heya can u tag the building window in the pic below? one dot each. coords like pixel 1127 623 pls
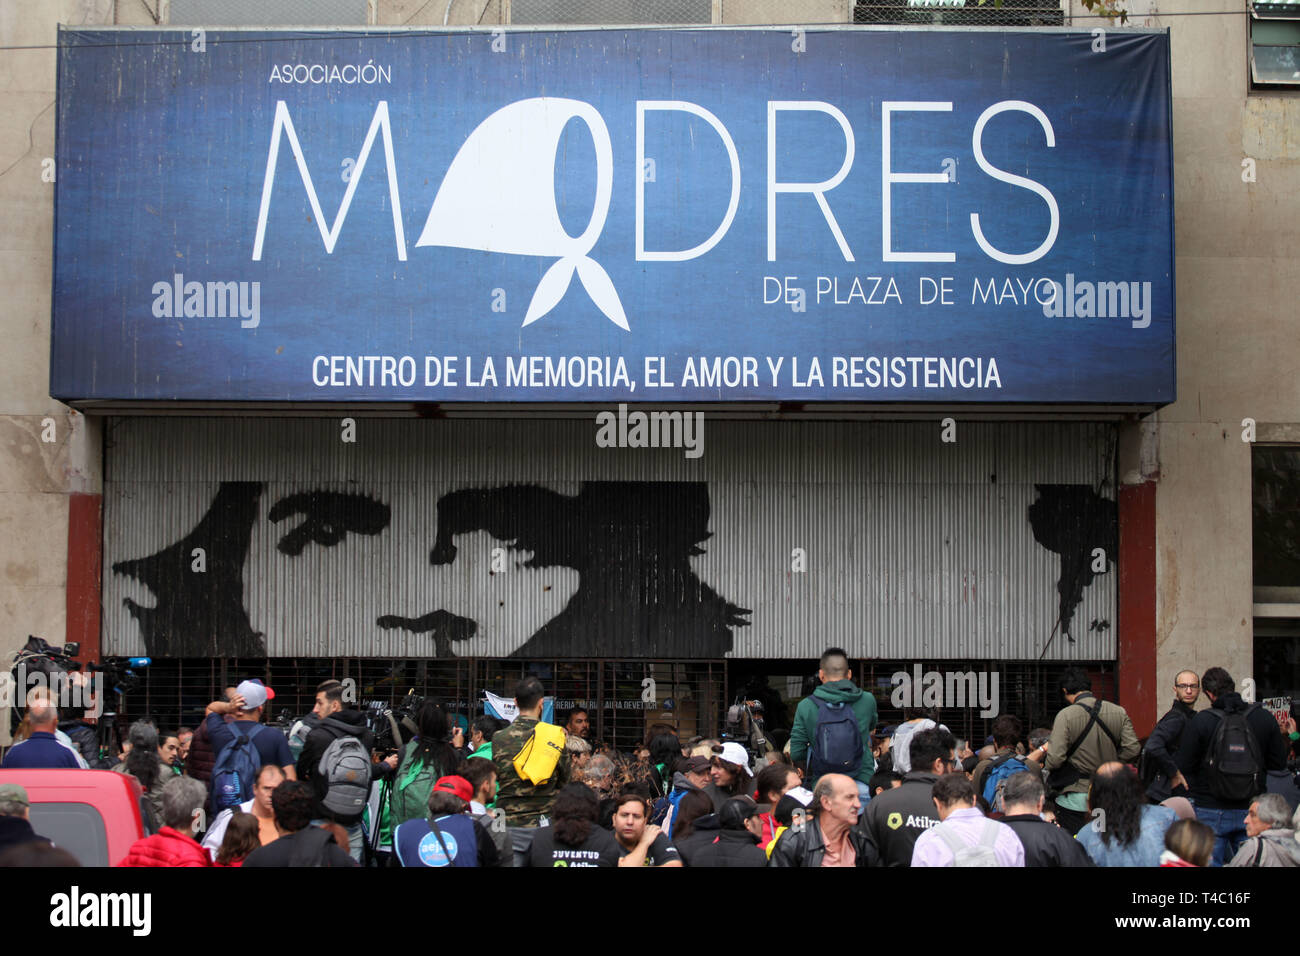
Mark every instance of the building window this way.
pixel 1275 506
pixel 1275 44
pixel 1275 524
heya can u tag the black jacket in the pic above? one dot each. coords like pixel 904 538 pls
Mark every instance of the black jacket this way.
pixel 710 845
pixel 86 739
pixel 352 723
pixel 1045 843
pixel 808 846
pixel 895 820
pixel 1192 751
pixel 1161 747
pixel 310 846
pixel 15 831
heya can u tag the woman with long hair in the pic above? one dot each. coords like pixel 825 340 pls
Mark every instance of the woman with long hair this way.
pixel 731 774
pixel 1128 831
pixel 573 838
pixel 240 840
pixel 143 763
pixel 694 805
pixel 425 759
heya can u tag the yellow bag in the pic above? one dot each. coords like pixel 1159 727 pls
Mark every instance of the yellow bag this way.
pixel 541 752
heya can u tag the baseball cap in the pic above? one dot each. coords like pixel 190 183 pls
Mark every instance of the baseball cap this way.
pixel 255 694
pixel 797 799
pixel 733 752
pixel 13 793
pixel 694 765
pixel 455 785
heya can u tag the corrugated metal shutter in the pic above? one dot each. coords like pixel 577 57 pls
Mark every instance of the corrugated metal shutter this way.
pixel 911 547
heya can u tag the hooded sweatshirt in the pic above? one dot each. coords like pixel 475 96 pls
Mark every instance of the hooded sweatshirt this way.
pixel 805 724
pixel 681 787
pixel 352 723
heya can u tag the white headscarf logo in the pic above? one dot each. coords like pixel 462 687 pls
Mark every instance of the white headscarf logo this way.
pixel 499 196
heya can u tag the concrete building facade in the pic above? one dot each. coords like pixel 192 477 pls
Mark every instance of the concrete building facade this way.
pixel 1187 597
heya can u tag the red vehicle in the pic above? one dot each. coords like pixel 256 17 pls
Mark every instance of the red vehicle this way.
pixel 93 814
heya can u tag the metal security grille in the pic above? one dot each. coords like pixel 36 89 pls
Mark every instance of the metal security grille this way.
pixel 1027 689
pixel 609 12
pixel 690 696
pixel 687 695
pixel 1012 13
pixel 544 13
pixel 265 13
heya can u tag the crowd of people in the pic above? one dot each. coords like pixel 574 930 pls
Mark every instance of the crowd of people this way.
pixel 1215 786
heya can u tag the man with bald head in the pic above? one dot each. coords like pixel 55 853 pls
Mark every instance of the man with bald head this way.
pixel 828 837
pixel 1159 772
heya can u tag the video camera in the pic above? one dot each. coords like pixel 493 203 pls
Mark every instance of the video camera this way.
pixel 393 726
pixel 745 726
pixel 40 662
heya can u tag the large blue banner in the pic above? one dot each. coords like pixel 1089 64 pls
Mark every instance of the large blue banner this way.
pixel 614 215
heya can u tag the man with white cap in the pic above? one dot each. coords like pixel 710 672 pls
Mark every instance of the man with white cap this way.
pixel 731 774
pixel 246 707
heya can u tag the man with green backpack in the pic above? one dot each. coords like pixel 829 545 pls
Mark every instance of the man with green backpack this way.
pixel 425 759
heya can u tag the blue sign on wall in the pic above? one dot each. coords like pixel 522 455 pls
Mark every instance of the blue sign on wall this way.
pixel 633 215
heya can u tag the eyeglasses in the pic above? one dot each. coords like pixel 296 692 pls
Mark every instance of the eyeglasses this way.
pixel 1188 686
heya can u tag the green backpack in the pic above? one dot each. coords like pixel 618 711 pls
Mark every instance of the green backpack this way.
pixel 412 783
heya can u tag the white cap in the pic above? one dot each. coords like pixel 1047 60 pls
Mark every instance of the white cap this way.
pixel 255 694
pixel 733 752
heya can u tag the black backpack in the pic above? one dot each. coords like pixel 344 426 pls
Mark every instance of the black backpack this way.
pixel 1234 760
pixel 837 740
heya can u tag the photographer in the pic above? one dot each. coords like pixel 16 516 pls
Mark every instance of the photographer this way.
pixel 336 762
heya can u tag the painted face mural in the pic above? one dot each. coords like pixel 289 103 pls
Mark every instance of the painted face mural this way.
pixel 473 539
pixel 520 570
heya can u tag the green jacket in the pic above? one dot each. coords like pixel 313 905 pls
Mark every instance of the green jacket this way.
pixel 523 803
pixel 805 724
pixel 484 751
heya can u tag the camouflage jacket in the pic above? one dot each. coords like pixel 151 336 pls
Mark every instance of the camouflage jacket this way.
pixel 523 803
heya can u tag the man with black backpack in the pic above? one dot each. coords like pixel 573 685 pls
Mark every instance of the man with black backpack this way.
pixel 243 745
pixel 1086 733
pixel 1224 754
pixel 832 727
pixel 335 760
